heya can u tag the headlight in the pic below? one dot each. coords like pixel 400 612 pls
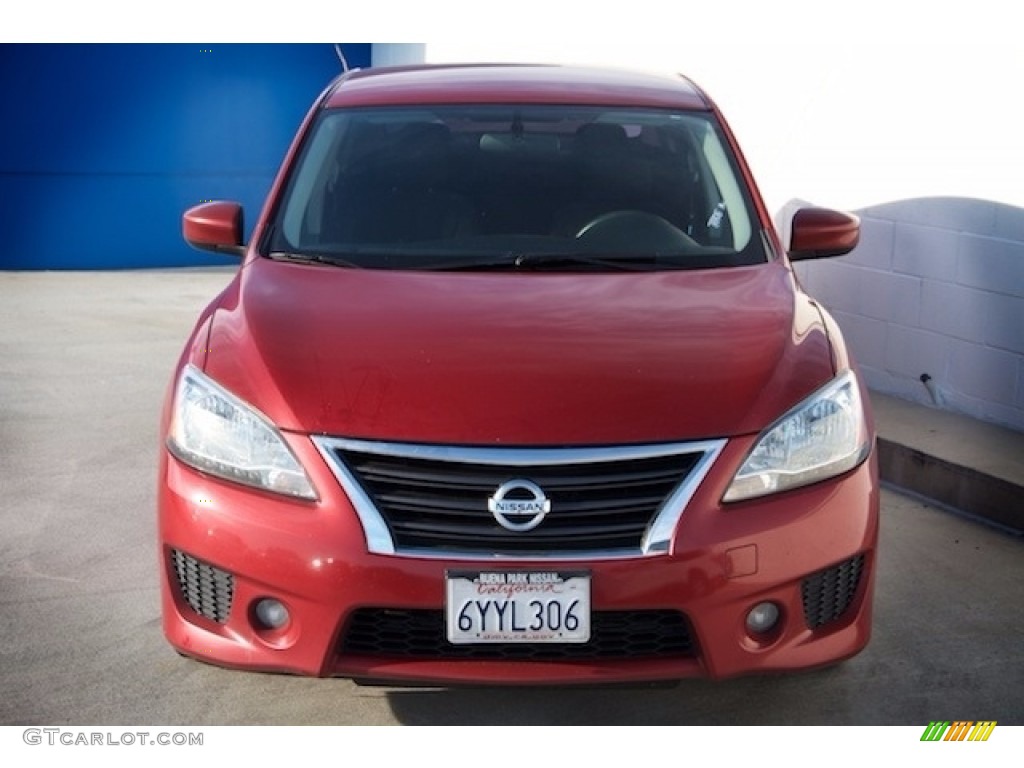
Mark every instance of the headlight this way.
pixel 214 431
pixel 823 436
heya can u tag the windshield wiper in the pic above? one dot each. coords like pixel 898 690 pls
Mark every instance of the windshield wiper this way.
pixel 526 261
pixel 312 258
pixel 616 261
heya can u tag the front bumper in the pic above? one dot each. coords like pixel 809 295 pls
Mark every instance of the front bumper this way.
pixel 811 551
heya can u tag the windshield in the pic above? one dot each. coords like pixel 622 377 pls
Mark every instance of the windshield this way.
pixel 471 186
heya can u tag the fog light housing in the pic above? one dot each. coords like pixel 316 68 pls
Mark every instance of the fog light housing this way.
pixel 762 618
pixel 271 614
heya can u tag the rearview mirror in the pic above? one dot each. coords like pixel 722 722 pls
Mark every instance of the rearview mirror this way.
pixel 819 232
pixel 215 226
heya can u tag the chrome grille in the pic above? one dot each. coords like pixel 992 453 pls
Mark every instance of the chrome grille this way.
pixel 434 500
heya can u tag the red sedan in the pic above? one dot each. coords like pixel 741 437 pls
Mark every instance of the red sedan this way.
pixel 515 384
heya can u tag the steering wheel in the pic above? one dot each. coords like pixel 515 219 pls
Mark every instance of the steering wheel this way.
pixel 635 231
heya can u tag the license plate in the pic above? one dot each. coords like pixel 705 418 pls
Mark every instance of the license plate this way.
pixel 518 607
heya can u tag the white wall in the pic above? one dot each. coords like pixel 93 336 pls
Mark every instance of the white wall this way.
pixel 935 287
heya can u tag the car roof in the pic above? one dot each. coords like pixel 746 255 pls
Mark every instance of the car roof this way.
pixel 512 84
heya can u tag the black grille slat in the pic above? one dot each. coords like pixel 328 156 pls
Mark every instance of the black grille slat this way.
pixel 432 504
pixel 509 546
pixel 828 593
pixel 472 506
pixel 550 533
pixel 570 503
pixel 420 634
pixel 452 506
pixel 540 544
pixel 472 484
pixel 208 590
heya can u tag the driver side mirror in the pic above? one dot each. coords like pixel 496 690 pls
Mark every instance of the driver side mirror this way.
pixel 215 226
pixel 819 233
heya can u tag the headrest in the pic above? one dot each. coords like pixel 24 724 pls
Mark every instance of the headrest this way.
pixel 601 137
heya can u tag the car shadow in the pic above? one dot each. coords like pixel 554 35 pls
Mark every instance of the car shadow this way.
pixel 809 698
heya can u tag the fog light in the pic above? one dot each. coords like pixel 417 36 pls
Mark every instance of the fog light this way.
pixel 762 618
pixel 271 613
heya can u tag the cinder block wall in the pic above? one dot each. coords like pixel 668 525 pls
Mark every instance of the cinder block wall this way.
pixel 935 287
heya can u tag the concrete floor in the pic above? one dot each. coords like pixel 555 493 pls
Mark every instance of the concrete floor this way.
pixel 84 360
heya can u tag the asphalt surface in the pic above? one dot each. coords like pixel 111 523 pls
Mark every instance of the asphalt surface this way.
pixel 84 362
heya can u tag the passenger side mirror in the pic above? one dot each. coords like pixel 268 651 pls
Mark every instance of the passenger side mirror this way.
pixel 215 226
pixel 819 232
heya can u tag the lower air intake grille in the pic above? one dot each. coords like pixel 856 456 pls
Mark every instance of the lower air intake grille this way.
pixel 206 589
pixel 827 594
pixel 420 634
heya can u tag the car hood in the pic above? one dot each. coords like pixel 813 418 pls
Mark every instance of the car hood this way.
pixel 512 358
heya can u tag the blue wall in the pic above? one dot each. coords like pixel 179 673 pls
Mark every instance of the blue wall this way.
pixel 102 147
